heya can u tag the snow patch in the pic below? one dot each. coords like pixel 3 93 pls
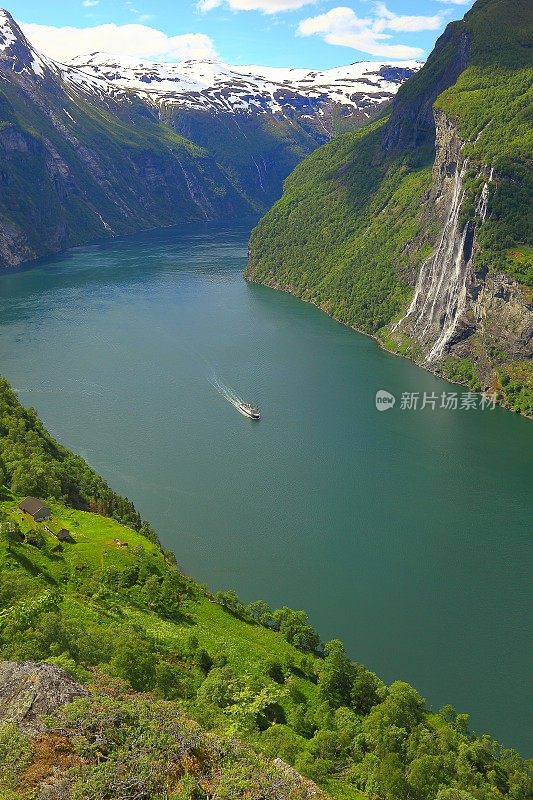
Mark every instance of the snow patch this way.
pixel 213 85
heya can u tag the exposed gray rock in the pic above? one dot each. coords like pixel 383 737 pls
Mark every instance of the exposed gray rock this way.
pixel 28 690
pixel 456 309
pixel 411 123
pixel 56 787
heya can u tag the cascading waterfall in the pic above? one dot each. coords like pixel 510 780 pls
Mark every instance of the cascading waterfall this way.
pixel 441 290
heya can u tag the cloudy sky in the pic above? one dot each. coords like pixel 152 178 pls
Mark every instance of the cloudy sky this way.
pixel 297 33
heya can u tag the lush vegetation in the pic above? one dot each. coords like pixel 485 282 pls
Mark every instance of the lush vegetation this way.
pixel 492 105
pixel 514 383
pixel 354 223
pixel 33 463
pixel 162 656
pixel 339 227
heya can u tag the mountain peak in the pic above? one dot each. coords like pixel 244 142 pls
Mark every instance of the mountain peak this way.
pixel 16 53
pixel 9 30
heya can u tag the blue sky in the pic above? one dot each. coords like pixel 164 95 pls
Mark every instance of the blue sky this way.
pixel 297 33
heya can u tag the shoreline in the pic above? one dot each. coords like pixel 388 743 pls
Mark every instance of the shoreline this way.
pixel 377 341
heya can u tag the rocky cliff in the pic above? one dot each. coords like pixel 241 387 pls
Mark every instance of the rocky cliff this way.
pixel 459 310
pixel 417 229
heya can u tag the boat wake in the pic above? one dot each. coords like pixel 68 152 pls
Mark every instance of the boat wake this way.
pixel 231 396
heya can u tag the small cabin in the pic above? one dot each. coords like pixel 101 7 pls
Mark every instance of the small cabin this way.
pixel 65 536
pixel 35 508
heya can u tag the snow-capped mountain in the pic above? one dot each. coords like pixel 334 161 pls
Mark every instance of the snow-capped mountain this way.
pixel 353 91
pixel 214 86
pixel 104 145
pixel 17 54
pixel 18 58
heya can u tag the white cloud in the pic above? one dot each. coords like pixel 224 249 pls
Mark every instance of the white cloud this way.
pixel 266 6
pixel 138 41
pixel 387 20
pixel 342 26
pixel 90 3
pixel 455 2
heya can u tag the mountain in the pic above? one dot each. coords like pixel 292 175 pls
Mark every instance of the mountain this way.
pixel 154 687
pixel 95 148
pixel 417 228
pixel 319 100
pixel 79 164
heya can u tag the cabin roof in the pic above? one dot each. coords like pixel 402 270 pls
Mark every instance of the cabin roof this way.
pixel 31 505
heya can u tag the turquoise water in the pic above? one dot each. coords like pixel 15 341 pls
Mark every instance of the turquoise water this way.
pixel 405 533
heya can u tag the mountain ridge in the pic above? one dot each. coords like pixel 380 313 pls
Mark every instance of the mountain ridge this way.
pixel 225 88
pixel 84 158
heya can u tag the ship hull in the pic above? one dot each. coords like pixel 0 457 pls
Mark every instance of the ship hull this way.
pixel 250 414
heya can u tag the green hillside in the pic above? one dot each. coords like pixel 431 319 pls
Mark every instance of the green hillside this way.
pixel 357 218
pixel 101 170
pixel 162 655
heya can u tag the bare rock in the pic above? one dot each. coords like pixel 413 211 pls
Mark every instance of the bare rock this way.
pixel 29 689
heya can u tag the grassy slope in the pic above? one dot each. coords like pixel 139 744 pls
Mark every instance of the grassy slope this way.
pixel 106 611
pixel 347 235
pixel 249 648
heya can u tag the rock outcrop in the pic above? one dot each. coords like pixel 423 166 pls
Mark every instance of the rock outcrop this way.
pixel 29 690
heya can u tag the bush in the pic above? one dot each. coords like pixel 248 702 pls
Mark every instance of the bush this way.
pixel 135 662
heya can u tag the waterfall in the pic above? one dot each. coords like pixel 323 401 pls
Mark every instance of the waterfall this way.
pixel 441 290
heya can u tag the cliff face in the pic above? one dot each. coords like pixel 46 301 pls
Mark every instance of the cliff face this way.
pixel 418 230
pixel 411 124
pixel 78 165
pixel 457 309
